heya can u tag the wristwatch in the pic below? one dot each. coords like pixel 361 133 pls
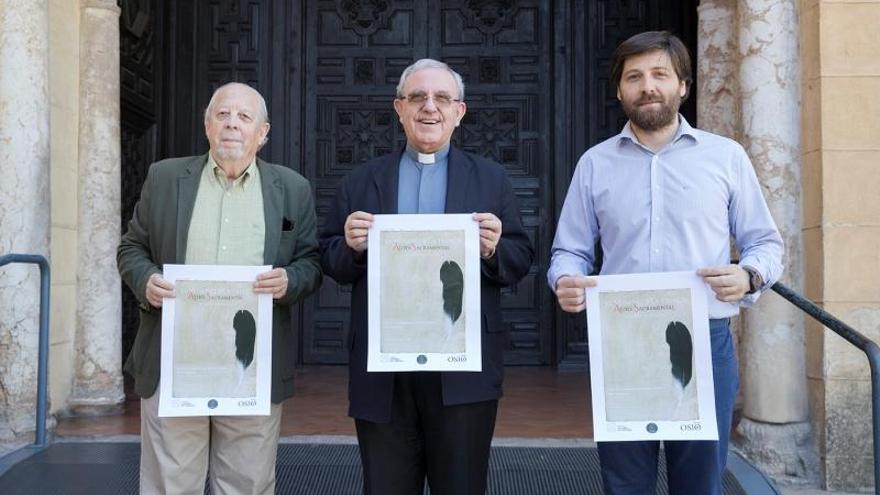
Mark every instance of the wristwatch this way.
pixel 756 281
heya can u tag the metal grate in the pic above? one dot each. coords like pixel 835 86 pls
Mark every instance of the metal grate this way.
pixel 310 469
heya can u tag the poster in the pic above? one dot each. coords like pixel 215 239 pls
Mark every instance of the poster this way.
pixel 651 358
pixel 216 342
pixel 424 293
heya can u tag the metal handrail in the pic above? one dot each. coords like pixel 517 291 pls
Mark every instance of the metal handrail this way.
pixel 43 343
pixel 868 346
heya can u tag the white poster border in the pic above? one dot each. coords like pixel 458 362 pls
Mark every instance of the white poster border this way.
pixel 471 359
pixel 705 427
pixel 260 403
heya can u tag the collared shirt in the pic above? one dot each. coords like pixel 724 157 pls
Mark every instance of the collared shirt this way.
pixel 228 225
pixel 666 211
pixel 422 187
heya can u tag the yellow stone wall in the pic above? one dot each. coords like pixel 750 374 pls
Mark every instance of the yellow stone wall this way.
pixel 64 131
pixel 840 66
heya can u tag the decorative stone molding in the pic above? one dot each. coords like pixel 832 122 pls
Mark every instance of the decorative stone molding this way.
pixel 791 460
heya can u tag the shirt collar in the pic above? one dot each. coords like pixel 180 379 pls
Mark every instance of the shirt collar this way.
pixel 244 180
pixel 684 129
pixel 427 158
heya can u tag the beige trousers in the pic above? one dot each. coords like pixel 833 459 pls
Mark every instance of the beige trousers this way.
pixel 176 452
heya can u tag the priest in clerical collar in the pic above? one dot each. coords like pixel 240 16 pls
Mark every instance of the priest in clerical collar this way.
pixel 435 425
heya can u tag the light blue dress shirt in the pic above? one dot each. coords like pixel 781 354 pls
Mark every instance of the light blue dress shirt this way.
pixel 422 187
pixel 667 211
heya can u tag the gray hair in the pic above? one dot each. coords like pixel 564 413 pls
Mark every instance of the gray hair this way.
pixel 262 110
pixel 429 63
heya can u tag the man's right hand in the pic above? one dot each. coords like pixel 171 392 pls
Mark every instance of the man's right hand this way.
pixel 157 289
pixel 570 292
pixel 357 225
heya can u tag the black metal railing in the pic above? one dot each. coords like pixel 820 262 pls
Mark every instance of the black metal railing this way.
pixel 869 347
pixel 43 343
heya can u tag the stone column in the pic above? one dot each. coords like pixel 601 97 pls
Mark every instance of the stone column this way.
pixel 717 88
pixel 24 205
pixel 775 431
pixel 97 387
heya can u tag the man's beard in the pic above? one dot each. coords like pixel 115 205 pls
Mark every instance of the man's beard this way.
pixel 652 120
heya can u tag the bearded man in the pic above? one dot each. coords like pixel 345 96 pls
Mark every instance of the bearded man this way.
pixel 663 196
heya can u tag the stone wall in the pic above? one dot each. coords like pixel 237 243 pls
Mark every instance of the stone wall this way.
pixel 24 205
pixel 841 156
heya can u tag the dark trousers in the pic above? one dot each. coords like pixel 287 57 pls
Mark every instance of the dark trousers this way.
pixel 447 444
pixel 693 467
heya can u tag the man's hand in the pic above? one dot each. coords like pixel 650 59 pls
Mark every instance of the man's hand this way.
pixel 570 292
pixel 730 282
pixel 272 282
pixel 357 225
pixel 490 233
pixel 157 289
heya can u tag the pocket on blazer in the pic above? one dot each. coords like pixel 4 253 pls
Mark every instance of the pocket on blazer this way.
pixel 286 245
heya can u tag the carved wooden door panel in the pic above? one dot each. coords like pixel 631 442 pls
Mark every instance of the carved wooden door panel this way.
pixel 503 51
pixel 355 53
pixel 536 86
pixel 140 94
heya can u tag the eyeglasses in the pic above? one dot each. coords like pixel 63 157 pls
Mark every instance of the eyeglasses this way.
pixel 418 99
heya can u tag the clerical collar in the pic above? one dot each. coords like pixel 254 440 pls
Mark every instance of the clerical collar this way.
pixel 427 158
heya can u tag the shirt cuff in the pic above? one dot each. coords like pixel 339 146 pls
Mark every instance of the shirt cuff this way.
pixel 559 270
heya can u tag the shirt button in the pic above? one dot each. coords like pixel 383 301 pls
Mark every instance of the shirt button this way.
pixel 656 250
pixel 223 248
pixel 226 220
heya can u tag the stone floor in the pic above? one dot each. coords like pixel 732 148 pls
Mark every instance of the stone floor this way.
pixel 791 490
pixel 539 402
pixel 541 407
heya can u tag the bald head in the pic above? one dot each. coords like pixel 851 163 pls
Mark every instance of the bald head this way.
pixel 236 125
pixel 262 110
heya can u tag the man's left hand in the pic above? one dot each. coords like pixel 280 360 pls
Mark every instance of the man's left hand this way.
pixel 272 282
pixel 490 233
pixel 730 282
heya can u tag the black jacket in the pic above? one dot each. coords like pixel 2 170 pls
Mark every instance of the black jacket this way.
pixel 474 185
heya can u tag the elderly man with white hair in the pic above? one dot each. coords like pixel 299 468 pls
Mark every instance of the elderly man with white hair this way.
pixel 226 207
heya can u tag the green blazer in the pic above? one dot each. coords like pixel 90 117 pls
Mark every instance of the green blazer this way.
pixel 157 235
